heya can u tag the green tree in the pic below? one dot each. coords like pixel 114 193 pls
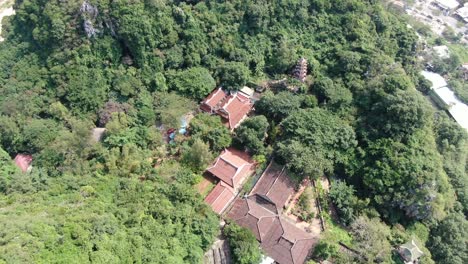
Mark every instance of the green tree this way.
pixel 198 155
pixel 371 239
pixel 348 205
pixel 209 128
pixel 278 106
pixel 449 239
pixel 170 108
pixel 399 115
pixel 407 176
pixel 244 246
pixel 194 82
pixel 325 250
pixel 233 75
pixel 251 134
pixel 332 94
pixel 313 141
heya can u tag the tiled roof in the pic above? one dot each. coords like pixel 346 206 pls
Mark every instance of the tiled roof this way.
pixel 23 161
pixel 220 197
pixel 213 100
pixel 279 238
pixel 232 167
pixel 275 184
pixel 235 109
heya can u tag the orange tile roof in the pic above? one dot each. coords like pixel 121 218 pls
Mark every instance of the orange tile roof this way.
pixel 232 167
pixel 220 197
pixel 235 109
pixel 213 100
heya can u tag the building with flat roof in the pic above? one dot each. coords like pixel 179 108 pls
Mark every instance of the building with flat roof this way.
pixel 447 5
pixel 447 99
pixel 462 13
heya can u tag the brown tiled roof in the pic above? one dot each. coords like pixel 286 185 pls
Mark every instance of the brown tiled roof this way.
pixel 235 109
pixel 232 167
pixel 23 161
pixel 220 197
pixel 275 184
pixel 213 100
pixel 279 238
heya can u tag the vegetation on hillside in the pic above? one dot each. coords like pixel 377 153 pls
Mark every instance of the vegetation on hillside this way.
pixel 136 68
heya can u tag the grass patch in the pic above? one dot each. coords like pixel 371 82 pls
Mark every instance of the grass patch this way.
pixel 303 209
pixel 460 51
pixel 335 233
pixel 207 190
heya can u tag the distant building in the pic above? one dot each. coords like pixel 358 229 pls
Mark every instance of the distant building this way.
pixel 446 98
pixel 399 5
pixel 410 252
pixel 447 5
pixel 231 168
pixel 233 108
pixel 23 162
pixel 462 13
pixel 300 71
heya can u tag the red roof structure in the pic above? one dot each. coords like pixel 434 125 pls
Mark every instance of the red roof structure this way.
pixel 279 238
pixel 275 185
pixel 220 197
pixel 23 161
pixel 232 167
pixel 213 101
pixel 233 108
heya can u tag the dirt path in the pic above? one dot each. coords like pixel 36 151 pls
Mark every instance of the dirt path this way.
pixel 6 9
pixel 314 226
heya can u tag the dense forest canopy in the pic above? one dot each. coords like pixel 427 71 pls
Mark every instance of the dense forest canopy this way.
pixel 135 66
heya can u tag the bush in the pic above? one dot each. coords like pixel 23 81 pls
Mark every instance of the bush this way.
pixel 325 250
pixel 244 246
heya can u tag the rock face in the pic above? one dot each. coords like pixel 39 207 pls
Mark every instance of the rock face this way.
pixel 89 10
pixel 89 14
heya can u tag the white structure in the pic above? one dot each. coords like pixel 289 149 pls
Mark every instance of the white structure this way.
pixel 463 13
pixel 247 91
pixel 436 79
pixel 442 51
pixel 457 109
pixel 447 5
pixel 4 13
pixel 267 260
